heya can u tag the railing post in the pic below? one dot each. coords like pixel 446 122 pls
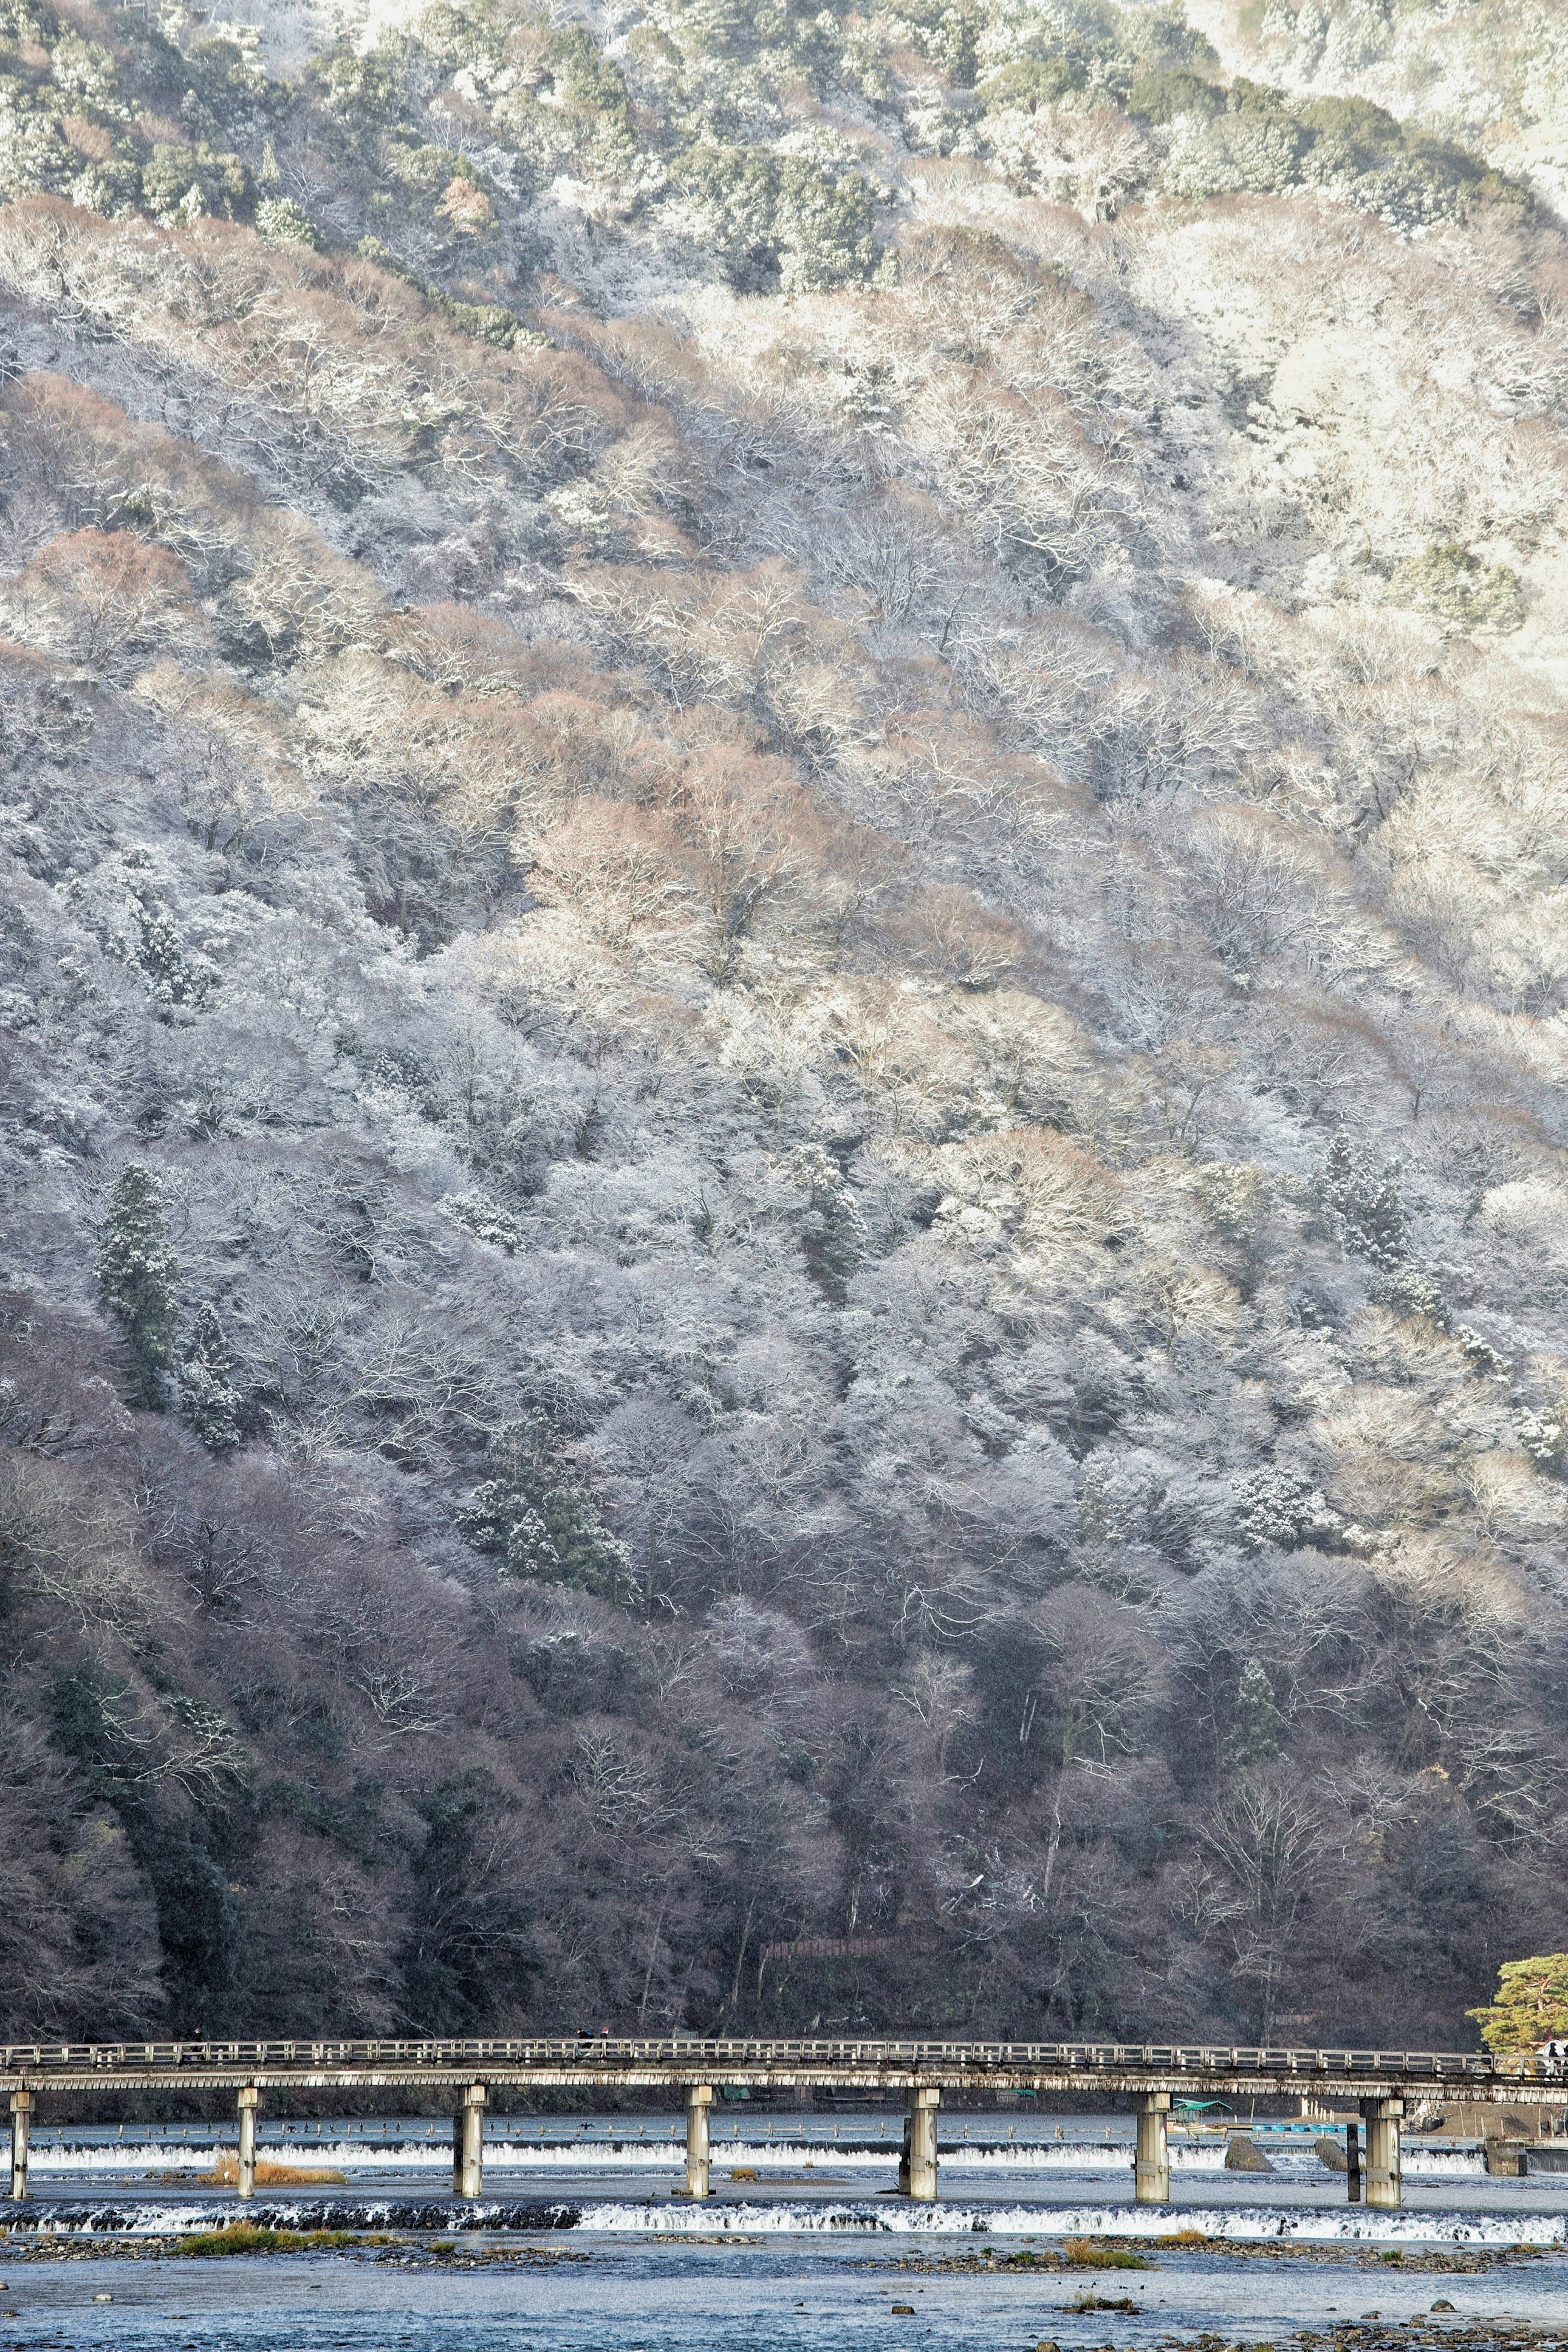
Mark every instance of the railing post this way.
pixel 21 2125
pixel 699 2099
pixel 1381 2117
pixel 468 2143
pixel 1353 2164
pixel 244 2176
pixel 1152 2169
pixel 917 2172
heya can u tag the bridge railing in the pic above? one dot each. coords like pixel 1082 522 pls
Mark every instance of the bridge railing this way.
pixel 590 2052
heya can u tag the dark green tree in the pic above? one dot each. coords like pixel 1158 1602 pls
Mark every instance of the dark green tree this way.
pixel 470 1958
pixel 539 1524
pixel 1362 1202
pixel 136 1272
pixel 832 1234
pixel 208 1398
pixel 1259 1725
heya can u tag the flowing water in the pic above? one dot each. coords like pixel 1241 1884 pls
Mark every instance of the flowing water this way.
pixel 578 2245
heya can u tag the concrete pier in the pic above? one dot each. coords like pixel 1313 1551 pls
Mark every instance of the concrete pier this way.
pixel 468 2143
pixel 699 2099
pixel 917 2168
pixel 249 2101
pixel 1382 2118
pixel 1353 2164
pixel 21 2125
pixel 1152 2171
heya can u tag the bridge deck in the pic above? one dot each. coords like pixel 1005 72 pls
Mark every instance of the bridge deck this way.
pixel 588 2062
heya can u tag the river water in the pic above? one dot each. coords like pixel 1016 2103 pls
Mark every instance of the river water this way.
pixel 805 2248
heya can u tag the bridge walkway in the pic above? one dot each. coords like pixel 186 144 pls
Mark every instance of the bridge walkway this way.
pixel 1379 2082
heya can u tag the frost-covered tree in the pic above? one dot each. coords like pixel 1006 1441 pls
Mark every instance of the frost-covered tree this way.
pixel 855 977
pixel 1259 1728
pixel 539 1524
pixel 137 1274
pixel 1363 1201
pixel 208 1398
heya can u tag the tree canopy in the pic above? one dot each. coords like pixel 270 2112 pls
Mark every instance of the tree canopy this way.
pixel 1532 2004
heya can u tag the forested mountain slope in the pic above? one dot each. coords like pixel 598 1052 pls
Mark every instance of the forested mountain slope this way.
pixel 784 961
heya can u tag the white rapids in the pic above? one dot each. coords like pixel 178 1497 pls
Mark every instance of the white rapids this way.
pixel 422 2156
pixel 1340 2225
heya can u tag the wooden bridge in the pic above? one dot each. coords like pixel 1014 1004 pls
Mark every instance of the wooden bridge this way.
pixel 1379 2082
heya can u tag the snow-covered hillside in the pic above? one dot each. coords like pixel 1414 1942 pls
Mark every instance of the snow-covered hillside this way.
pixel 785 963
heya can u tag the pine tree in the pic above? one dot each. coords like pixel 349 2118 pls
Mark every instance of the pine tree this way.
pixel 1532 2004
pixel 136 1272
pixel 208 1398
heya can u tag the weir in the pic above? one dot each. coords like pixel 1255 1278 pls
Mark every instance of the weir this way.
pixel 1378 2082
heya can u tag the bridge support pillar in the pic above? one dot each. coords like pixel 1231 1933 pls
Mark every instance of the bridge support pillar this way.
pixel 468 2143
pixel 917 2172
pixel 1381 2117
pixel 250 2100
pixel 1353 2164
pixel 21 2126
pixel 699 2099
pixel 1152 2171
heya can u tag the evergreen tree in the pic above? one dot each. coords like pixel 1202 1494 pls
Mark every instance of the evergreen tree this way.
pixel 1532 2004
pixel 136 1272
pixel 208 1398
pixel 539 1524
pixel 1277 1507
pixel 1362 1202
pixel 832 1234
pixel 1259 1722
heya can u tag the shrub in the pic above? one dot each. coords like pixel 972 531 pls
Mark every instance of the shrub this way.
pixel 1028 82
pixel 192 183
pixel 243 2239
pixel 1455 587
pixel 225 2174
pixel 1163 97
pixel 282 221
pixel 112 187
pixel 1084 2254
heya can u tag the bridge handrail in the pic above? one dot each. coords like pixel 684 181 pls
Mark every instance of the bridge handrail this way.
pixel 727 2052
